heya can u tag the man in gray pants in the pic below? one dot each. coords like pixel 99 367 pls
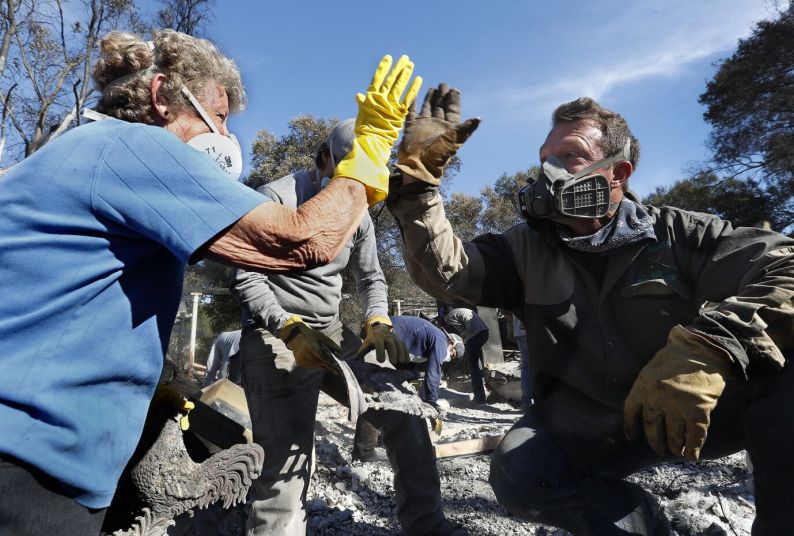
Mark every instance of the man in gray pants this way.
pixel 468 324
pixel 290 318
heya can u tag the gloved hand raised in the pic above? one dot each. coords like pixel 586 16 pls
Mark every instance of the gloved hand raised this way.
pixel 307 344
pixel 381 114
pixel 674 394
pixel 381 337
pixel 434 137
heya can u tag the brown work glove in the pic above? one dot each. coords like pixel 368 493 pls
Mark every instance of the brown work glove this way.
pixel 432 139
pixel 674 394
pixel 307 344
pixel 381 337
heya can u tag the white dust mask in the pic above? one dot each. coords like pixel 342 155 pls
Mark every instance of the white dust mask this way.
pixel 224 150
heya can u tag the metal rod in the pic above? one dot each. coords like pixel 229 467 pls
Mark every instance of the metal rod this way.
pixel 193 322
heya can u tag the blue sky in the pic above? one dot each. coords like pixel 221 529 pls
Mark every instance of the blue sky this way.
pixel 514 62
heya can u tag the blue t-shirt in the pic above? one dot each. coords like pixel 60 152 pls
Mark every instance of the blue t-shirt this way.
pixel 420 337
pixel 95 230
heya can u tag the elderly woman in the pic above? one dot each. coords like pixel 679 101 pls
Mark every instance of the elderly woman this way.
pixel 95 231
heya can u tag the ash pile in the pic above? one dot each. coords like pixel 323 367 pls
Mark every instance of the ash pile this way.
pixel 354 498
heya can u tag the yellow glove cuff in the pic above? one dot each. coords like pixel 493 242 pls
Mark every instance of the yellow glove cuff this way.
pixel 287 331
pixel 377 319
pixel 366 163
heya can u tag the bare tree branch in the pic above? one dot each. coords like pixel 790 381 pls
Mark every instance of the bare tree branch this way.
pixel 6 97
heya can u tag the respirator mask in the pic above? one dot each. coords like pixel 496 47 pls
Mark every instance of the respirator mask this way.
pixel 223 150
pixel 556 192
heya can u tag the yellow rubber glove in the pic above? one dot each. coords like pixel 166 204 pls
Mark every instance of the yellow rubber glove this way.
pixel 307 344
pixel 381 114
pixel 433 138
pixel 168 395
pixel 381 337
pixel 674 394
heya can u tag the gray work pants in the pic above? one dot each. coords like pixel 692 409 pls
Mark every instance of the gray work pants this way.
pixel 282 400
pixel 538 474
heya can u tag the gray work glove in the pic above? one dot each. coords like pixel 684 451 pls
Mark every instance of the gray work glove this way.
pixel 432 139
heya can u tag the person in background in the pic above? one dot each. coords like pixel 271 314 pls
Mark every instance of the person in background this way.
pixel 224 358
pixel 468 324
pixel 427 345
pixel 95 232
pixel 526 380
pixel 292 320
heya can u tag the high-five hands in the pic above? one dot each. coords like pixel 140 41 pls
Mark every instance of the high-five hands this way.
pixel 433 137
pixel 381 114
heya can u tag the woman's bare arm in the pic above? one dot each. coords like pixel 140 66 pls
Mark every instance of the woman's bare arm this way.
pixel 275 238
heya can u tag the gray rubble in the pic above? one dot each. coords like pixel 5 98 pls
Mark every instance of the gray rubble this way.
pixel 355 498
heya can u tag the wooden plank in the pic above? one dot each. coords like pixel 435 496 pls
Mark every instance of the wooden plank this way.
pixel 464 447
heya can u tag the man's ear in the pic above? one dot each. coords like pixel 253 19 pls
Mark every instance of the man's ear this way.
pixel 161 107
pixel 621 173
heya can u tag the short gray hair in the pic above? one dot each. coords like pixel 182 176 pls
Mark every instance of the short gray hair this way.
pixel 613 127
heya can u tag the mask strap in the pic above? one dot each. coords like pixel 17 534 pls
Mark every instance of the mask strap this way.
pixel 93 115
pixel 200 109
pixel 622 155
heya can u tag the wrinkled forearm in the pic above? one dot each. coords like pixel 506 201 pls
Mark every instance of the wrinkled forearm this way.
pixel 278 239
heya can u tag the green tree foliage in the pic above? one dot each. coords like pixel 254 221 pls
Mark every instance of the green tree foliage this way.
pixel 273 158
pixel 212 280
pixel 464 212
pixel 750 107
pixel 742 202
pixel 501 201
pixel 218 311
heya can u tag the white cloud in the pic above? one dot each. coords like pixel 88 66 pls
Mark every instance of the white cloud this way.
pixel 658 42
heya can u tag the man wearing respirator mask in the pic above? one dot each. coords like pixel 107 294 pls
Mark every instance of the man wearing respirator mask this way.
pixel 654 334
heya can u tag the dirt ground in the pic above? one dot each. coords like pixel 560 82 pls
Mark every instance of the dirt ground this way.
pixel 354 498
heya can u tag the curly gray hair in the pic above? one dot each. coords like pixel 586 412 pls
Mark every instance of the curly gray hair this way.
pixel 127 65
